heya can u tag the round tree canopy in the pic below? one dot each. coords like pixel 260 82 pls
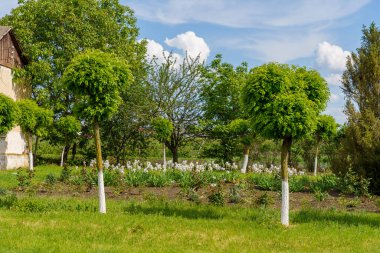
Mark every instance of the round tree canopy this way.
pixel 284 101
pixel 326 127
pixel 8 114
pixel 97 78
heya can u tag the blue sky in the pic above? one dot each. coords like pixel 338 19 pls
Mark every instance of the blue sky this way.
pixel 315 33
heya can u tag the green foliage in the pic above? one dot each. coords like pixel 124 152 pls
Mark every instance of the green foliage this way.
pixel 175 89
pixel 216 197
pixel 326 127
pixel 8 114
pixel 34 119
pixel 284 101
pixel 360 145
pixel 319 194
pixel 52 32
pixel 163 129
pixel 221 90
pixel 352 183
pixel 24 177
pixel 65 174
pixel 50 179
pixel 264 200
pixel 97 79
pixel 68 128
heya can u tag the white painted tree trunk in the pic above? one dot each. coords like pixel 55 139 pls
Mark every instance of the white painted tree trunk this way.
pixel 164 156
pixel 285 203
pixel 245 164
pixel 245 160
pixel 30 147
pixel 30 160
pixel 316 162
pixel 102 195
pixel 63 153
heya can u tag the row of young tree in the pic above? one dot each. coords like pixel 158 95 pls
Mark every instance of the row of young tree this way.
pixel 88 67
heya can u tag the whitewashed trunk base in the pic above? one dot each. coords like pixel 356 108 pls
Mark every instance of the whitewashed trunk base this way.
pixel 62 154
pixel 285 204
pixel 30 161
pixel 315 165
pixel 102 195
pixel 245 164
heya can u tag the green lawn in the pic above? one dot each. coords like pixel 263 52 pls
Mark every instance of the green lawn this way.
pixel 51 224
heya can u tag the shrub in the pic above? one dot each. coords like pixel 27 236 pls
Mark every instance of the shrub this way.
pixel 50 179
pixel 216 197
pixel 65 174
pixel 235 196
pixel 351 183
pixel 24 177
pixel 319 194
pixel 264 200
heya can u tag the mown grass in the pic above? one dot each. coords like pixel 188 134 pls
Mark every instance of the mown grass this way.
pixel 51 224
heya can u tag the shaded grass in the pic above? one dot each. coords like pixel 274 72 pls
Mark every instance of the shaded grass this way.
pixel 162 226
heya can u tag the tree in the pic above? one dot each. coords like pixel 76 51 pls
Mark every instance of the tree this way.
pixel 97 79
pixel 163 129
pixel 221 90
pixel 67 129
pixel 361 85
pixel 283 103
pixel 33 120
pixel 326 129
pixel 8 114
pixel 175 90
pixel 53 32
pixel 241 129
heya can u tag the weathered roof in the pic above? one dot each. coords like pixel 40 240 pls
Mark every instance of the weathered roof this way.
pixel 4 30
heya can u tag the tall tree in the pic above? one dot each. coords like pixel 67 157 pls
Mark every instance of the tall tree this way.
pixel 361 85
pixel 175 88
pixel 53 32
pixel 283 103
pixel 97 79
pixel 221 89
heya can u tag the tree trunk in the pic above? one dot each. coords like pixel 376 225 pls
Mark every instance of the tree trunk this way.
pixel 286 144
pixel 245 161
pixel 35 149
pixel 164 155
pixel 316 160
pixel 62 154
pixel 30 147
pixel 99 164
pixel 174 151
pixel 74 151
pixel 66 153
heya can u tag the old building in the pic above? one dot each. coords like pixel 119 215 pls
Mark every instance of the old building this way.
pixel 13 149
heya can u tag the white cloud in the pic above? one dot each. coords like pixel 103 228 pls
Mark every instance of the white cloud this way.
pixel 334 97
pixel 334 79
pixel 191 44
pixel 156 50
pixel 188 42
pixel 331 57
pixel 245 13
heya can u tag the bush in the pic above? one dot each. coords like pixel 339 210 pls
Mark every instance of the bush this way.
pixel 50 179
pixel 351 183
pixel 24 177
pixel 264 200
pixel 216 197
